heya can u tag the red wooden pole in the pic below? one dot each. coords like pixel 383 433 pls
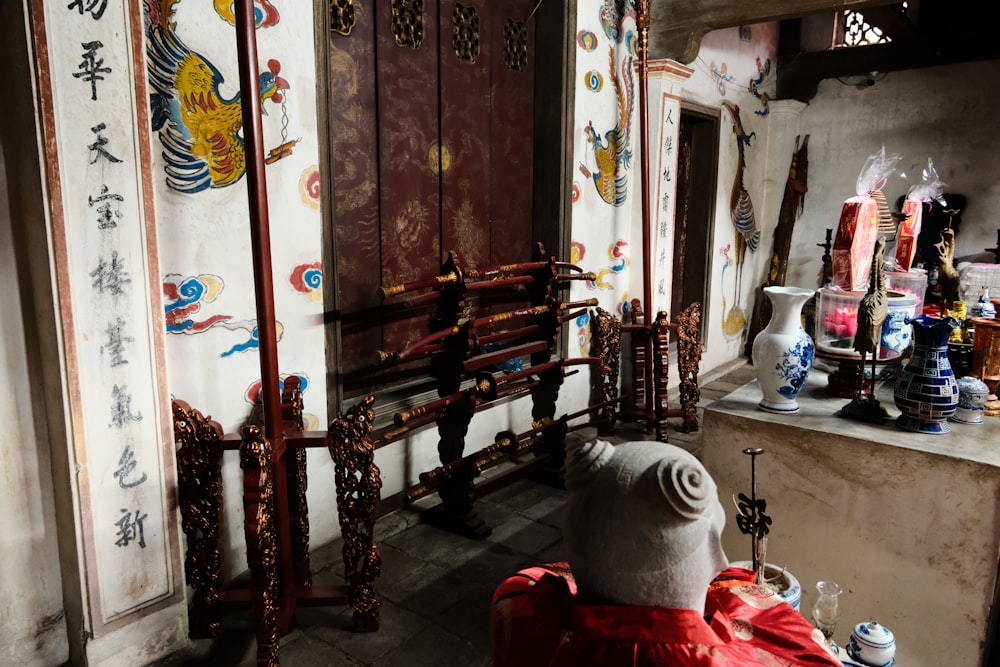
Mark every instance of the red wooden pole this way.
pixel 642 21
pixel 260 237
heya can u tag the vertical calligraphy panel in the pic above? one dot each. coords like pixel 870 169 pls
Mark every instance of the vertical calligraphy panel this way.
pixel 110 306
pixel 662 207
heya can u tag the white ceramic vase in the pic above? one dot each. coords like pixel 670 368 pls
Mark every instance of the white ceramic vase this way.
pixel 783 352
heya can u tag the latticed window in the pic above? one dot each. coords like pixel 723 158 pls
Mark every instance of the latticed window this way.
pixel 859 32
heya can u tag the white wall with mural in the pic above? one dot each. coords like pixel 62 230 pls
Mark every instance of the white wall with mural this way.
pixel 732 73
pixel 200 186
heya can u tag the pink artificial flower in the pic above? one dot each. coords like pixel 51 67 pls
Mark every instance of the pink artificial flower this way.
pixel 842 323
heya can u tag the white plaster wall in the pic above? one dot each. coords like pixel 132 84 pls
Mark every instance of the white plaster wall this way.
pixel 32 626
pixel 943 113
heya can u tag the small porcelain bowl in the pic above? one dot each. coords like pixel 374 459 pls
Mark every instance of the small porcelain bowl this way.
pixel 873 645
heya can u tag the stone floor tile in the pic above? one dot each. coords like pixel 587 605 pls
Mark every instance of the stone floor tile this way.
pixel 397 627
pixel 426 588
pixel 493 566
pixel 308 651
pixel 555 554
pixel 524 535
pixel 723 385
pixel 437 546
pixel 470 619
pixel 521 494
pixel 548 510
pixel 435 647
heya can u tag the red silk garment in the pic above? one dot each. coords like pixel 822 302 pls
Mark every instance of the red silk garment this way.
pixel 536 620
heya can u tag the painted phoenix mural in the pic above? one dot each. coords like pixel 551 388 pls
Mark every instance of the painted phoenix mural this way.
pixel 201 129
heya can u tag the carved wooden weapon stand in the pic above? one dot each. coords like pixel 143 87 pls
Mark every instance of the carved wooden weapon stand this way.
pixel 462 331
pixel 273 459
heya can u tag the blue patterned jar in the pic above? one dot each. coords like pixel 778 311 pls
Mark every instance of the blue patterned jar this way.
pixel 972 396
pixel 783 352
pixel 926 392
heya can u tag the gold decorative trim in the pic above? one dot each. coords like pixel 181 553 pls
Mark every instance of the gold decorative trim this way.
pixel 465 33
pixel 342 16
pixel 515 45
pixel 408 22
pixel 438 158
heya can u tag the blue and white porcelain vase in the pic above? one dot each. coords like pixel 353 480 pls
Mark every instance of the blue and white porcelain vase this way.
pixel 926 392
pixel 783 352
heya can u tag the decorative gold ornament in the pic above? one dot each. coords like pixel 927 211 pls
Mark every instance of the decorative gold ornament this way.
pixel 438 158
pixel 515 45
pixel 342 16
pixel 408 22
pixel 465 33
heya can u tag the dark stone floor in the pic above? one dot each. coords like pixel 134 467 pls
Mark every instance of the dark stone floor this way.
pixel 436 586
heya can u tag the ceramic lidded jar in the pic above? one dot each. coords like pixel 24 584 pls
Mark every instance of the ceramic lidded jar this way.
pixel 873 645
pixel 972 396
pixel 783 352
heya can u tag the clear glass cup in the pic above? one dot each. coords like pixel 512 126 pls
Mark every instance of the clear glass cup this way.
pixel 826 610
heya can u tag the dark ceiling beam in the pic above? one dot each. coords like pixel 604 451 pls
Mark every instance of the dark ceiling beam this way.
pixel 677 26
pixel 798 76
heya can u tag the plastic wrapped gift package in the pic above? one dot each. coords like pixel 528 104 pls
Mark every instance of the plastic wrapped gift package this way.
pixel 837 323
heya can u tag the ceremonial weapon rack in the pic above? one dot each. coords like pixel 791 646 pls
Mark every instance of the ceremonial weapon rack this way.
pixel 486 324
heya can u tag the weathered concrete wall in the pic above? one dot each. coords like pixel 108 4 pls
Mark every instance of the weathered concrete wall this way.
pixel 943 113
pixel 32 623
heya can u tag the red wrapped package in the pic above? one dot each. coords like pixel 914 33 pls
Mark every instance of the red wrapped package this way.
pixel 854 243
pixel 906 235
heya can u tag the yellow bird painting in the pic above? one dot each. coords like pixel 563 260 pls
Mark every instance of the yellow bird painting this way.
pixel 200 129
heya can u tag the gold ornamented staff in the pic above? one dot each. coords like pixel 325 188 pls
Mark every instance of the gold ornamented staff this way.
pixel 506 443
pixel 435 281
pixel 507 269
pixel 492 279
pixel 484 389
pixel 413 424
pixel 420 346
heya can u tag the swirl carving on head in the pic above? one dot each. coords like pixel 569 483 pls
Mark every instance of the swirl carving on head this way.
pixel 685 486
pixel 583 462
